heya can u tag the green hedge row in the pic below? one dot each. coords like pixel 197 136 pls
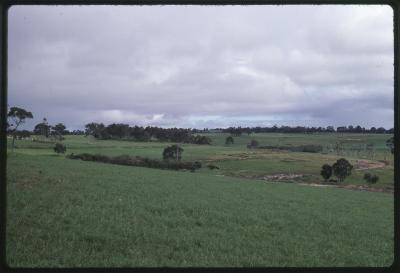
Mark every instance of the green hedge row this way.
pixel 302 148
pixel 138 161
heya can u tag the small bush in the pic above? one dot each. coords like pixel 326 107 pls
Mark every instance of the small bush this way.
pixel 229 140
pixel 60 148
pixel 212 167
pixel 326 172
pixel 173 152
pixel 253 144
pixel 371 178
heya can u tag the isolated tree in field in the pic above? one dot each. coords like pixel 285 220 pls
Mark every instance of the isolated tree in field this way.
pixel 173 152
pixel 59 130
pixel 229 140
pixel 342 169
pixel 42 128
pixel 326 171
pixel 60 148
pixel 17 116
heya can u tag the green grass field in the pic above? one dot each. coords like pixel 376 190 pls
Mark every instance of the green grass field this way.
pixel 72 213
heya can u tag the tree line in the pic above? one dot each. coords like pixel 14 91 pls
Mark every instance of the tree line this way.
pixel 139 133
pixel 237 131
pixel 17 116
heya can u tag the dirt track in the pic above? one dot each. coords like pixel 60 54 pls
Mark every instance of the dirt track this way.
pixel 367 164
pixel 350 187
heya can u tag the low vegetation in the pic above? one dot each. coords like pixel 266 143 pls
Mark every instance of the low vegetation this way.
pixel 138 161
pixel 326 172
pixel 60 148
pixel 301 148
pixel 371 178
pixel 173 152
pixel 253 144
pixel 229 140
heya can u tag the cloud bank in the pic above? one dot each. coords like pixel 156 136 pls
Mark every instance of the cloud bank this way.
pixel 203 66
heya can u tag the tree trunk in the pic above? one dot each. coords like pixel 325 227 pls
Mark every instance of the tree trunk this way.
pixel 12 145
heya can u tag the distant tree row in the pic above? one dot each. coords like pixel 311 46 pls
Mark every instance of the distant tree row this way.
pixel 43 128
pixel 137 133
pixel 237 131
pixel 17 116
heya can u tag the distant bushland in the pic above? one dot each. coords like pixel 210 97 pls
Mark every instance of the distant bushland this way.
pixel 137 133
pixel 238 131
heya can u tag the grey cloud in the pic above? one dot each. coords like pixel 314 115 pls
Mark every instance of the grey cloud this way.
pixel 179 65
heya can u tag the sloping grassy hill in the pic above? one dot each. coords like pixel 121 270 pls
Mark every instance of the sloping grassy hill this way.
pixel 70 213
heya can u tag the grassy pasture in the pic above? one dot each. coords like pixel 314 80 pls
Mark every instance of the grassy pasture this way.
pixel 69 213
pixel 236 160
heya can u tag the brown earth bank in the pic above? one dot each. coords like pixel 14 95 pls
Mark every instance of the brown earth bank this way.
pixel 285 178
pixel 350 187
pixel 368 164
pixel 291 178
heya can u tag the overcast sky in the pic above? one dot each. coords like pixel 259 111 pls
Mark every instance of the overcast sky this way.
pixel 203 66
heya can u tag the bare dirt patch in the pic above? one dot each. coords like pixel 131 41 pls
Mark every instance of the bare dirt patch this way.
pixel 368 164
pixel 282 177
pixel 350 187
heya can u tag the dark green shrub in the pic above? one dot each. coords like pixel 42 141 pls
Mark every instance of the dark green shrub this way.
pixel 326 171
pixel 342 169
pixel 229 140
pixel 138 161
pixel 371 178
pixel 60 148
pixel 173 152
pixel 197 164
pixel 212 167
pixel 198 139
pixel 301 148
pixel 122 160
